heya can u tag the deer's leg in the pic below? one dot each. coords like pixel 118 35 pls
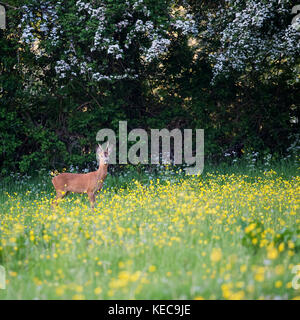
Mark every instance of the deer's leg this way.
pixel 60 195
pixel 55 202
pixel 92 198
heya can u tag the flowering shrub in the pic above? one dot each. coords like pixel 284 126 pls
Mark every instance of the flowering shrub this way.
pixel 254 36
pixel 70 68
pixel 102 40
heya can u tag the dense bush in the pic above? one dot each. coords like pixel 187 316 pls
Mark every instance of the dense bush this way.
pixel 69 69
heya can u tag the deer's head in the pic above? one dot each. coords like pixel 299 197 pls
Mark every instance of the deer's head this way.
pixel 103 155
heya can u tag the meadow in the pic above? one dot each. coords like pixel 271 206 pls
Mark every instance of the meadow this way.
pixel 227 234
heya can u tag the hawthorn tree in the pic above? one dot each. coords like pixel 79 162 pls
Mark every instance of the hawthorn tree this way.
pixel 70 68
pixel 254 54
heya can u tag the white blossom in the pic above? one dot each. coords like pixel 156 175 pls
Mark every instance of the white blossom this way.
pixel 251 39
pixel 143 33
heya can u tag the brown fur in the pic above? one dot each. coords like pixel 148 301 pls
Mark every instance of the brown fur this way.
pixel 88 183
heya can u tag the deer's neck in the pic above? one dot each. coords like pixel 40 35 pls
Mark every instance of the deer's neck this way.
pixel 102 171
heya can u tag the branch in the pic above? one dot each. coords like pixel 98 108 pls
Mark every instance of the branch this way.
pixel 9 6
pixel 82 105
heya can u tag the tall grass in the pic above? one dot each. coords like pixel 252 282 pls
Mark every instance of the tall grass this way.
pixel 231 233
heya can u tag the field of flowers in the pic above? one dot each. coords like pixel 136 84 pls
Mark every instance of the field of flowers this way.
pixel 217 236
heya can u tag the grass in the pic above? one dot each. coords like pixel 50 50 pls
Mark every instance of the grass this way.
pixel 232 233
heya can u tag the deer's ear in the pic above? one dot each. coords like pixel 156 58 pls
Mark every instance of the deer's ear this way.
pixel 109 148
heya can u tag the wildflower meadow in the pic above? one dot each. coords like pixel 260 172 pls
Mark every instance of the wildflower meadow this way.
pixel 149 151
pixel 170 236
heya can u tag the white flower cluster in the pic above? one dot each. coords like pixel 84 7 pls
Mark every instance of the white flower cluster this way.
pixel 187 25
pixel 112 47
pixel 98 77
pixel 135 30
pixel 158 47
pixel 45 17
pixel 62 67
pixel 140 6
pixel 252 34
pixel 122 25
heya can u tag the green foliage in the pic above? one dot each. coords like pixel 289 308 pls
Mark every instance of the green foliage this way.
pixel 49 121
pixel 253 235
pixel 288 235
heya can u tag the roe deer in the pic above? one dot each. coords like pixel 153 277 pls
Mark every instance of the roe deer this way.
pixel 88 183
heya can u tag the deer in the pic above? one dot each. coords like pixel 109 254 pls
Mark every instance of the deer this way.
pixel 89 183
